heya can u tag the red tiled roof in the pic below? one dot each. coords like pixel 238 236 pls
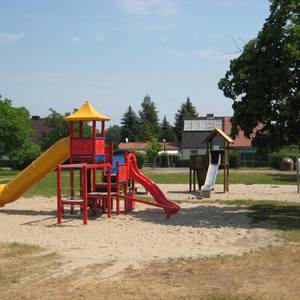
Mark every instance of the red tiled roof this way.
pixel 240 141
pixel 143 146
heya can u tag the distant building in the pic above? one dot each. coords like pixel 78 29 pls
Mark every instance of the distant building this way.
pixel 38 129
pixel 197 129
pixel 170 150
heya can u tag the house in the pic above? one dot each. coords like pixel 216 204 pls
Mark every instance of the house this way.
pixel 38 129
pixel 170 150
pixel 197 129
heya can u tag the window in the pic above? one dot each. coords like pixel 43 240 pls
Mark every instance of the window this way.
pixel 187 125
pixel 202 125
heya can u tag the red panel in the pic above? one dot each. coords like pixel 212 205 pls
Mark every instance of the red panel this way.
pixel 86 147
pixel 100 147
pixel 109 153
pixel 82 146
pixel 123 172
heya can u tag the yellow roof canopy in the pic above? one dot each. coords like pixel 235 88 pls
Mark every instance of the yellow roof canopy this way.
pixel 215 132
pixel 87 113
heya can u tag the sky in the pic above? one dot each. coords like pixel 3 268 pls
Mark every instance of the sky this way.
pixel 59 53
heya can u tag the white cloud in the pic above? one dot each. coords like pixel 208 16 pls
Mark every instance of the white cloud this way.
pixel 148 7
pixel 76 39
pixel 9 38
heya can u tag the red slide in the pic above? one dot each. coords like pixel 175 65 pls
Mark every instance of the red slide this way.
pixel 136 174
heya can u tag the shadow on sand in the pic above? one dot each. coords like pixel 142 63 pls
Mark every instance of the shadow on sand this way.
pixel 268 216
pixel 264 215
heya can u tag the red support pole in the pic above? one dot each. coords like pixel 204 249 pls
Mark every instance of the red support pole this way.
pixel 103 129
pixel 72 191
pixel 85 200
pixel 125 197
pixel 95 157
pixel 109 192
pixel 59 200
pixel 71 133
pixel 133 194
pixel 71 129
pixel 118 190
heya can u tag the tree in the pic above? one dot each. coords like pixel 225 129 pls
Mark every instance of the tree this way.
pixel 153 147
pixel 166 131
pixel 129 125
pixel 263 81
pixel 113 135
pixel 186 110
pixel 149 122
pixel 59 128
pixel 15 134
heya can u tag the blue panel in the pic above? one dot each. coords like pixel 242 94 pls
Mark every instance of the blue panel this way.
pixel 116 159
pixel 120 159
pixel 100 158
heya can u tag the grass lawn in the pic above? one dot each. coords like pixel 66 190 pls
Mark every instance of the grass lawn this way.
pixel 235 177
pixel 47 186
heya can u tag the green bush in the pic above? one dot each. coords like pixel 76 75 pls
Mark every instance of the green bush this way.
pixel 182 163
pixel 234 159
pixel 164 161
pixel 140 158
pixel 276 157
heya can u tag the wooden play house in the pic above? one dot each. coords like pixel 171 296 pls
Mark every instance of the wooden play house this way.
pixel 215 153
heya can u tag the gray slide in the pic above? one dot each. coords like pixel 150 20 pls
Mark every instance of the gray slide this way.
pixel 211 176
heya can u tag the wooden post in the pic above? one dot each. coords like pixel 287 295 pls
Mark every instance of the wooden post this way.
pixel 298 176
pixel 194 180
pixel 190 179
pixel 224 178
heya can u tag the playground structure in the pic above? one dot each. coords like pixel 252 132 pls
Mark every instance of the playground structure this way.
pixel 206 167
pixel 95 177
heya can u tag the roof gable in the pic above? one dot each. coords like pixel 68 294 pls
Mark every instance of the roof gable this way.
pixel 220 132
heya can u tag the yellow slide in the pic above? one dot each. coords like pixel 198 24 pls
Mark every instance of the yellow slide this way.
pixel 38 169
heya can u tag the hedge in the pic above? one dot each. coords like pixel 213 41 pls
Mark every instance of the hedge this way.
pixel 276 157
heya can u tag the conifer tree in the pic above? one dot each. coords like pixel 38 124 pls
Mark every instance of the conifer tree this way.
pixel 129 126
pixel 149 122
pixel 186 110
pixel 166 131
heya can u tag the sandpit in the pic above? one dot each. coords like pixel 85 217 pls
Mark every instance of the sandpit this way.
pixel 140 237
pixel 237 192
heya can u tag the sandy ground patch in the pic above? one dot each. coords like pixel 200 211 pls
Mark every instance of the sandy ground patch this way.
pixel 237 191
pixel 135 239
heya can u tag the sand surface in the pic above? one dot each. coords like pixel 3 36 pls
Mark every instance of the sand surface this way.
pixel 145 235
pixel 236 192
